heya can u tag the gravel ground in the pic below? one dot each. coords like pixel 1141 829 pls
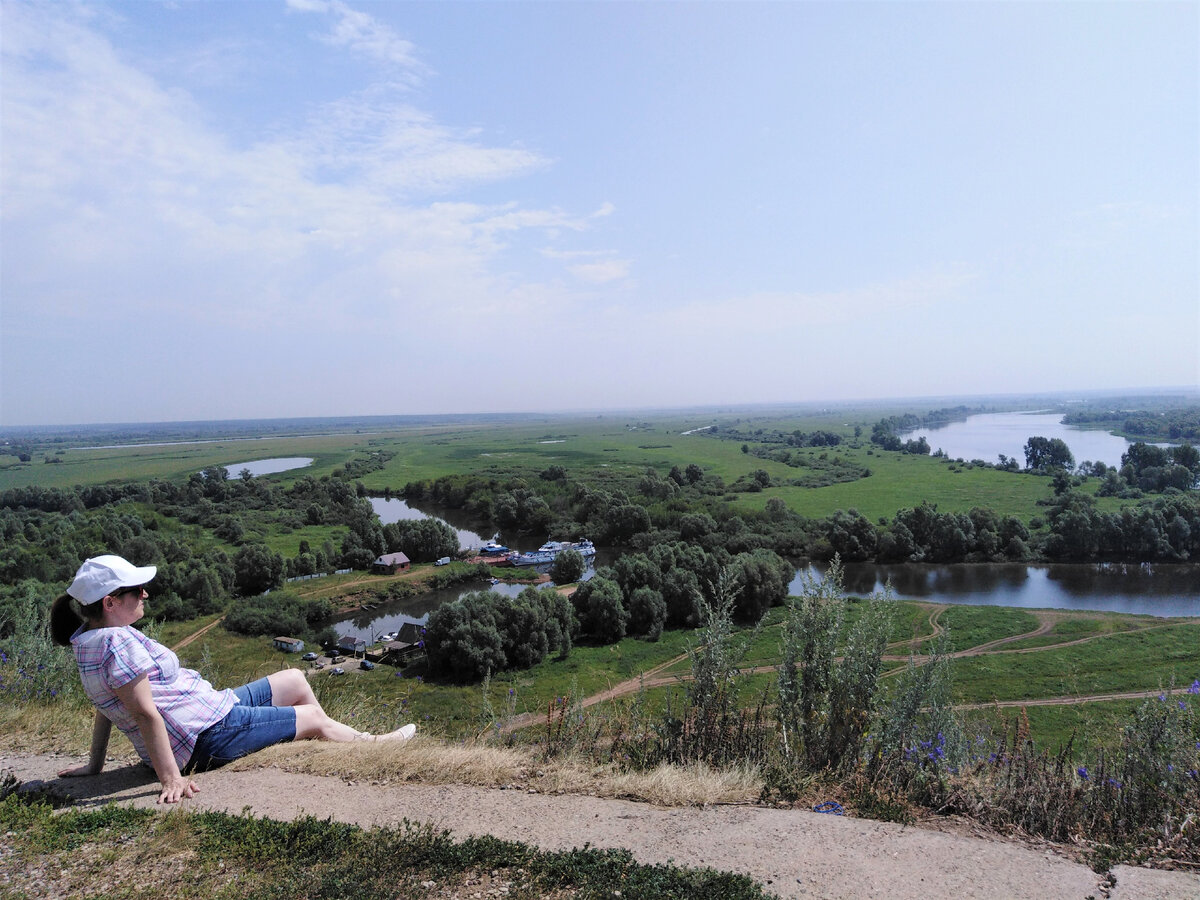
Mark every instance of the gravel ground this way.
pixel 795 853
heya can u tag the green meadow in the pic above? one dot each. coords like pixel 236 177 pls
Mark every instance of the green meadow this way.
pixel 597 449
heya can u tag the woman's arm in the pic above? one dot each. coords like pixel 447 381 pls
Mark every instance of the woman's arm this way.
pixel 101 729
pixel 138 700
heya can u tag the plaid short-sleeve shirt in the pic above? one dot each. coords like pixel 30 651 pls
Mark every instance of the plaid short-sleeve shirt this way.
pixel 110 658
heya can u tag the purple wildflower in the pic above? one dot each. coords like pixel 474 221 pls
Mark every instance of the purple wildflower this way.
pixel 1082 772
pixel 1195 688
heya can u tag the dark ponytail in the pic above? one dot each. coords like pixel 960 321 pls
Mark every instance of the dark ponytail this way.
pixel 66 617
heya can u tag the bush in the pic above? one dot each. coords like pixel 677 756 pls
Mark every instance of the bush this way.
pixel 277 613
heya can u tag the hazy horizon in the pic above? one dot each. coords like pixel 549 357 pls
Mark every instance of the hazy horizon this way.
pixel 282 208
pixel 1025 398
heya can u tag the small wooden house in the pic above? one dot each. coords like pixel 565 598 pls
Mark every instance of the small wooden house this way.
pixel 288 644
pixel 390 564
pixel 348 645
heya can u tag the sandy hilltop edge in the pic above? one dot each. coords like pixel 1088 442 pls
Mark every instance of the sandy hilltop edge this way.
pixel 794 853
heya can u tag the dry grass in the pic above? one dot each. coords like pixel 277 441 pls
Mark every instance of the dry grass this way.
pixel 431 761
pixel 39 729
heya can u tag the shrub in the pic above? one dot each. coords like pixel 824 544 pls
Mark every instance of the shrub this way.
pixel 277 613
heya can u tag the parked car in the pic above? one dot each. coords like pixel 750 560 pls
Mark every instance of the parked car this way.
pixel 366 664
pixel 309 657
pixel 337 659
pixel 337 670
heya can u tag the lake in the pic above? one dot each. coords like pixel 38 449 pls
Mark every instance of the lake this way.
pixel 988 435
pixel 268 466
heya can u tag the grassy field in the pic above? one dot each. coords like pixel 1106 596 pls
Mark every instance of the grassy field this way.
pixel 595 448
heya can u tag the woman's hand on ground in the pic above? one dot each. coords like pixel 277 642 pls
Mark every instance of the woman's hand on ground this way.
pixel 176 789
pixel 79 771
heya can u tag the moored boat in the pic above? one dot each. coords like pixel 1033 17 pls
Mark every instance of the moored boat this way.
pixel 545 554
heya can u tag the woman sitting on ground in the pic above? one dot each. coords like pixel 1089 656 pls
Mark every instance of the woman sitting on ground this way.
pixel 177 721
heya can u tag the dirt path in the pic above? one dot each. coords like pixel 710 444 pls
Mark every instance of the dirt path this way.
pixel 793 853
pixel 198 634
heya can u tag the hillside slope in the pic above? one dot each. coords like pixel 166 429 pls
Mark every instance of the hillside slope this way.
pixel 795 853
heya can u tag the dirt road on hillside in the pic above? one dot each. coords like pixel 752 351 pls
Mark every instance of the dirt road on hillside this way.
pixel 794 853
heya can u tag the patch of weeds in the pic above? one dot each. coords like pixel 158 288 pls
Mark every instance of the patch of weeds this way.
pixel 312 858
pixel 879 801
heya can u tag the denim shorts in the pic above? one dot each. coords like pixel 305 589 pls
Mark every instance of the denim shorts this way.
pixel 251 725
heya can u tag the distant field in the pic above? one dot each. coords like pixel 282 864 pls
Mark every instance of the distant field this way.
pixel 593 449
pixel 175 462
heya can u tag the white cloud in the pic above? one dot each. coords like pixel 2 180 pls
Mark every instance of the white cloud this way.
pixel 111 178
pixel 363 33
pixel 601 272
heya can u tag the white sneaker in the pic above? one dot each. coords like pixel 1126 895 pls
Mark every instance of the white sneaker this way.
pixel 400 734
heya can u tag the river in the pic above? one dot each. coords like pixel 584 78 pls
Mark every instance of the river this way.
pixel 1160 590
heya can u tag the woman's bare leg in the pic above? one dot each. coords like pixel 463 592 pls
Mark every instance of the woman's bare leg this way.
pixel 290 687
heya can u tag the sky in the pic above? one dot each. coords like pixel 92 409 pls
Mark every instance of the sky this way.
pixel 218 209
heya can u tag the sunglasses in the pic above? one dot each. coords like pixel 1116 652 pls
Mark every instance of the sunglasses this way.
pixel 136 590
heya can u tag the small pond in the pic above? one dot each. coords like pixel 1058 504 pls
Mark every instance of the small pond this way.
pixel 268 466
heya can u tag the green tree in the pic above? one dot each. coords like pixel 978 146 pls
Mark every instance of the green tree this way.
pixel 601 610
pixel 568 567
pixel 1043 454
pixel 647 613
pixel 762 578
pixel 257 568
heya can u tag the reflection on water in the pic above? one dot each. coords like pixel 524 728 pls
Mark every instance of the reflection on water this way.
pixel 368 623
pixel 268 466
pixel 1158 590
pixel 987 436
pixel 395 509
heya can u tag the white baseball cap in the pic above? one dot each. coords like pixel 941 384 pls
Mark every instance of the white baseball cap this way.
pixel 101 575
